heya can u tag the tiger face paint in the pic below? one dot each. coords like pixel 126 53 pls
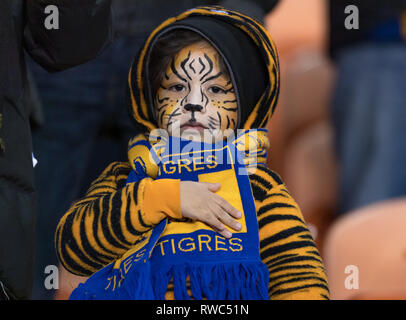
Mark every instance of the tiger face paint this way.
pixel 196 98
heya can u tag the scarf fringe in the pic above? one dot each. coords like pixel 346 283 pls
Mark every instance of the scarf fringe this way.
pixel 213 281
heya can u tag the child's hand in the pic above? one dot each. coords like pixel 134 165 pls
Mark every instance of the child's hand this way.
pixel 198 201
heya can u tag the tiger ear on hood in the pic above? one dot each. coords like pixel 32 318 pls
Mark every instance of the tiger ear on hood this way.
pixel 246 47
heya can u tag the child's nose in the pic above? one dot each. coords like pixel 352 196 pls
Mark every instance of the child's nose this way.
pixel 194 101
pixel 193 107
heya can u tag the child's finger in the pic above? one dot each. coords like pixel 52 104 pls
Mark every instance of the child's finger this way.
pixel 228 207
pixel 215 223
pixel 225 233
pixel 229 221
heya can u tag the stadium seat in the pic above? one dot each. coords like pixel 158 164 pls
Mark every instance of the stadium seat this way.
pixel 365 253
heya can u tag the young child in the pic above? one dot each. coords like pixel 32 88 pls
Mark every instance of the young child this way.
pixel 164 226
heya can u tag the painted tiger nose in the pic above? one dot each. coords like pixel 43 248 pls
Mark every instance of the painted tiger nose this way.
pixel 193 107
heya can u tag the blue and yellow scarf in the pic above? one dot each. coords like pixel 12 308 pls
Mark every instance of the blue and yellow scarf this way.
pixel 217 268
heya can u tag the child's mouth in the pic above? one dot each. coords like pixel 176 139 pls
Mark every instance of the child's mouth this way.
pixel 193 125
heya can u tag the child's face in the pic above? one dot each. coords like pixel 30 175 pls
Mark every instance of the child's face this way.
pixel 196 99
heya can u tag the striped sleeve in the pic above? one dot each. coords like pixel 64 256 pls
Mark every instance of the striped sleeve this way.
pixel 108 220
pixel 286 246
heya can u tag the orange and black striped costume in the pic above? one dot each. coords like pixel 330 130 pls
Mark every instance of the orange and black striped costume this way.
pixel 113 216
pixel 105 223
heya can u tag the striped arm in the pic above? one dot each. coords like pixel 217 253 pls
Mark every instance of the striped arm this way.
pixel 99 228
pixel 286 245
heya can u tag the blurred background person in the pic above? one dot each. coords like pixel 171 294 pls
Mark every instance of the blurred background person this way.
pixel 23 27
pixel 338 127
pixel 365 254
pixel 369 114
pixel 91 125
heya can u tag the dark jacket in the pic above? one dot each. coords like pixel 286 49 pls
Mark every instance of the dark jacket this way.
pixel 84 30
pixel 372 13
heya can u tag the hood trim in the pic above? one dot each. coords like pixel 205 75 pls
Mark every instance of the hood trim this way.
pixel 265 106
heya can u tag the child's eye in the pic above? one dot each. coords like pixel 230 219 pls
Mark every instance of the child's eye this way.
pixel 177 88
pixel 216 89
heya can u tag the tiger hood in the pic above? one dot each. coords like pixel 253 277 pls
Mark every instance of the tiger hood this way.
pixel 246 48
